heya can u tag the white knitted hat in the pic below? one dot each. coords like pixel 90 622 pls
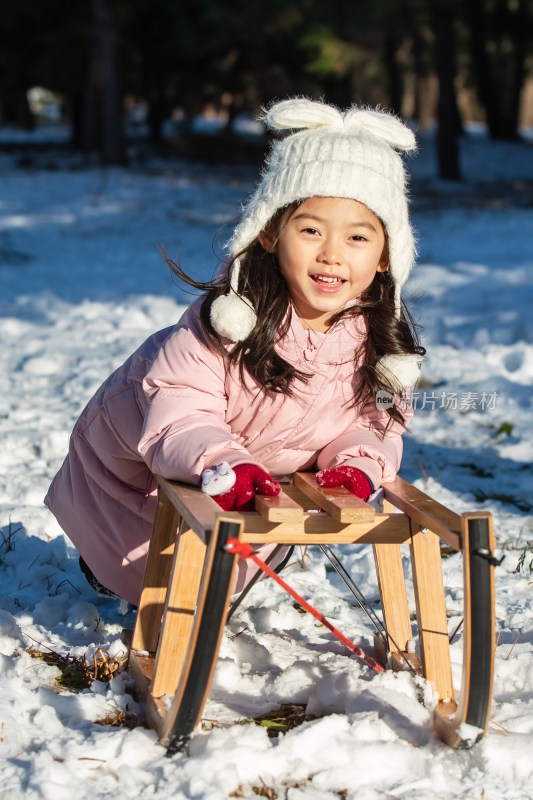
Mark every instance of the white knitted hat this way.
pixel 333 154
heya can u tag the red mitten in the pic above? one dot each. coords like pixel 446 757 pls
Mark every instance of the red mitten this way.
pixel 251 480
pixel 350 477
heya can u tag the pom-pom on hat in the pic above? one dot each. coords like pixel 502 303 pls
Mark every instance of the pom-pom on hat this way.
pixel 351 154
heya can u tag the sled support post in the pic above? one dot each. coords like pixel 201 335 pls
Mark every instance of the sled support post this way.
pixel 178 615
pixel 431 611
pixel 190 573
pixel 393 594
pixel 156 575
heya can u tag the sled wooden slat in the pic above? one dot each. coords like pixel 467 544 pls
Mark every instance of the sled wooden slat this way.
pixel 196 508
pixel 338 502
pixel 309 528
pixel 188 582
pixel 299 497
pixel 322 529
pixel 424 510
pixel 278 509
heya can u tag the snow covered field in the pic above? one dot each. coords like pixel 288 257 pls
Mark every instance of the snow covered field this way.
pixel 81 285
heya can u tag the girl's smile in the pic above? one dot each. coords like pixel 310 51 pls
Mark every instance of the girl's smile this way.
pixel 329 251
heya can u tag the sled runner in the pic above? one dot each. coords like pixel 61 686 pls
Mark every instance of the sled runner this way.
pixel 186 592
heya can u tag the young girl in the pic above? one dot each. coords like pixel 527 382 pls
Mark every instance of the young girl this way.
pixel 276 367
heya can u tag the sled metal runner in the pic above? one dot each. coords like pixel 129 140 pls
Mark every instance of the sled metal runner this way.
pixel 188 579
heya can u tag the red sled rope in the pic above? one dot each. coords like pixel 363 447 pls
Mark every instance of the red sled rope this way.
pixel 245 551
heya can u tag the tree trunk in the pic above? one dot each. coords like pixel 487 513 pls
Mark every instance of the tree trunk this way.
pixel 499 76
pixel 447 111
pixel 414 19
pixel 481 63
pixel 393 72
pixel 102 112
pixel 419 73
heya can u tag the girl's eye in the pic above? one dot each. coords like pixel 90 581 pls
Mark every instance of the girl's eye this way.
pixel 310 230
pixel 358 238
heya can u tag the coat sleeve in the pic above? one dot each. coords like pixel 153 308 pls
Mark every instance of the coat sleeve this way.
pixel 184 429
pixel 369 446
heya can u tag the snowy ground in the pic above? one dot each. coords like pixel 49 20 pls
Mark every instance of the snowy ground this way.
pixel 81 285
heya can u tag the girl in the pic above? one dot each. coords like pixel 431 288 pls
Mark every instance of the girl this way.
pixel 276 367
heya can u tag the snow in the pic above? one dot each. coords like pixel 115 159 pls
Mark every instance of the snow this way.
pixel 82 283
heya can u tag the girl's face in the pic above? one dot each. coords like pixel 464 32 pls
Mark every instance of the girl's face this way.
pixel 329 251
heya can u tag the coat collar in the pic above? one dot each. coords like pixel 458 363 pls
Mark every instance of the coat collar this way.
pixel 337 346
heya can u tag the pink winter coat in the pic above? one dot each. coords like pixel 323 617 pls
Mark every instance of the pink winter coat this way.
pixel 173 409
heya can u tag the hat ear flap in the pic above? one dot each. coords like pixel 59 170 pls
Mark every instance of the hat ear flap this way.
pixel 231 315
pixel 401 371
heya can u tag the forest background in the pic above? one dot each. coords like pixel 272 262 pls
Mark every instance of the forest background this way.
pixel 104 62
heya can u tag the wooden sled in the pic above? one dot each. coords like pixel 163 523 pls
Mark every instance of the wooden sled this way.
pixel 185 597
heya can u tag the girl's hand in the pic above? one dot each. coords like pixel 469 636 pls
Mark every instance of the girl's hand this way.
pixel 350 477
pixel 219 479
pixel 249 481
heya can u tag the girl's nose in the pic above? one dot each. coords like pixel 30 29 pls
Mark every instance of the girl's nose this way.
pixel 330 255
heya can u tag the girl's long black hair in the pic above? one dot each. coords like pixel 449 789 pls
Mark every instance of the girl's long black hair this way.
pixel 264 287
